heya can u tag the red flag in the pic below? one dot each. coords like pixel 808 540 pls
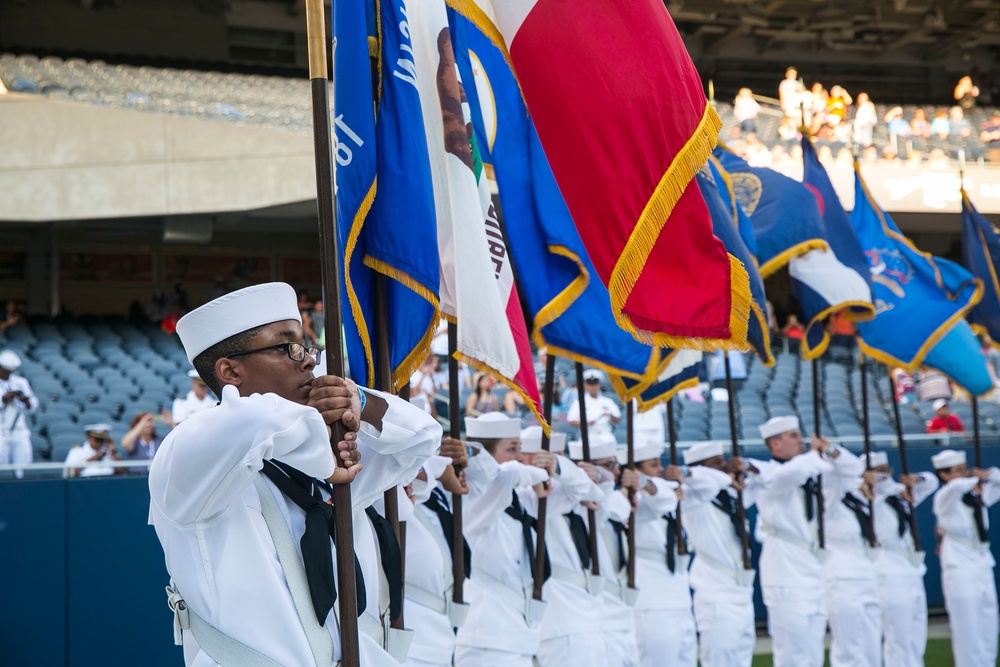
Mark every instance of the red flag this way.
pixel 620 112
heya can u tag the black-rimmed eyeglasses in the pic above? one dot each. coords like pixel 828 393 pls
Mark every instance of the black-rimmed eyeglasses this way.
pixel 295 351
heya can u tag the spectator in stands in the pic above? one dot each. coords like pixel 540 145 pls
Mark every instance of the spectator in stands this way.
pixel 914 160
pixel 966 92
pixel 778 154
pixel 824 154
pixel 837 104
pixel 197 399
pixel 889 154
pixel 961 128
pixel 9 317
pixel 944 421
pixel 920 126
pixel 793 331
pixel 757 154
pixel 844 156
pixel 308 334
pixel 817 97
pixel 940 126
pixel 937 159
pixel 423 384
pixel 482 399
pixel 217 289
pixel 305 303
pixel 169 322
pixel 992 355
pixel 602 412
pixel 99 447
pixel 791 92
pixel 17 401
pixel 319 324
pixel 865 120
pixel 746 110
pixel 843 332
pixel 869 155
pixel 905 386
pixel 895 122
pixel 788 130
pixel 141 441
pixel 514 405
pixel 990 136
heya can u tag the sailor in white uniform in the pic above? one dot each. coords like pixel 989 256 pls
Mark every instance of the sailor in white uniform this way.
pixel 195 401
pixel 664 621
pixel 249 554
pixel 502 627
pixel 900 567
pixel 17 401
pixel 970 594
pixel 83 460
pixel 791 572
pixel 850 578
pixel 612 516
pixel 602 412
pixel 723 589
pixel 572 628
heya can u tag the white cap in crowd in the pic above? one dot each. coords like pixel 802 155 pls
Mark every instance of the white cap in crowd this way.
pixel 235 313
pixel 593 375
pixel 879 459
pixel 939 403
pixel 646 452
pixel 701 451
pixel 778 425
pixel 97 430
pixel 493 425
pixel 602 446
pixel 193 374
pixel 9 360
pixel 531 441
pixel 948 458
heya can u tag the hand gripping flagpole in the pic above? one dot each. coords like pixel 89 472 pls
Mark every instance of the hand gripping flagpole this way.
pixel 595 568
pixel 682 547
pixel 820 502
pixel 540 552
pixel 873 542
pixel 455 431
pixel 904 468
pixel 326 204
pixel 741 512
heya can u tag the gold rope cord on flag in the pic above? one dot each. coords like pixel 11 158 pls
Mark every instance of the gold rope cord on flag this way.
pixel 352 296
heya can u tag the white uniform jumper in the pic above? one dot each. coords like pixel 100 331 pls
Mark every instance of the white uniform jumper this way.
pixel 15 434
pixel 852 597
pixel 501 628
pixel 598 409
pixel 791 572
pixel 207 514
pixel 723 590
pixel 970 595
pixel 664 622
pixel 190 405
pixel 901 574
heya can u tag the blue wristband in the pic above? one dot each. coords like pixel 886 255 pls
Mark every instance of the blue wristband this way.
pixel 364 399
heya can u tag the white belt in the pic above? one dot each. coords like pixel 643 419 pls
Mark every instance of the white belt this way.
pixel 741 576
pixel 809 545
pixel 580 578
pixel 681 561
pixel 442 604
pixel 523 601
pixel 975 545
pixel 395 642
pixel 862 549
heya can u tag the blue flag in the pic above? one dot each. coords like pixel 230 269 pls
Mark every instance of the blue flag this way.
pixel 825 282
pixel 724 226
pixel 918 297
pixel 959 356
pixel 981 255
pixel 569 306
pixel 680 373
pixel 785 216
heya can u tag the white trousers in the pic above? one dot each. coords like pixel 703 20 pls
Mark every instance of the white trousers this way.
pixel 855 614
pixel 904 620
pixel 970 596
pixel 15 448
pixel 666 637
pixel 470 656
pixel 726 631
pixel 796 621
pixel 411 662
pixel 621 649
pixel 579 650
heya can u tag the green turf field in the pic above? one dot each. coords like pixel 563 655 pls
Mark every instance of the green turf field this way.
pixel 938 655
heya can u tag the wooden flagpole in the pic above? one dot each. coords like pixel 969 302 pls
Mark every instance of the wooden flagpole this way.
pixel 741 512
pixel 630 444
pixel 904 467
pixel 595 568
pixel 326 204
pixel 540 552
pixel 868 441
pixel 682 548
pixel 455 431
pixel 820 501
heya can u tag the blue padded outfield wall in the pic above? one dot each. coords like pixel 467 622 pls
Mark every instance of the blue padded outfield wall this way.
pixel 84 575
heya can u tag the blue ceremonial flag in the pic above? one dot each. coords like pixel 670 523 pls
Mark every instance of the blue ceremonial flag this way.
pixel 725 216
pixel 918 297
pixel 385 202
pixel 825 282
pixel 981 255
pixel 569 306
pixel 680 373
pixel 959 356
pixel 784 213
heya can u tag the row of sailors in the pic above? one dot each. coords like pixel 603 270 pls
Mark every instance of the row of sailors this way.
pixel 242 503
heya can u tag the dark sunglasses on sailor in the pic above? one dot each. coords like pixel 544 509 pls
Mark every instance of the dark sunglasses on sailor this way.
pixel 295 351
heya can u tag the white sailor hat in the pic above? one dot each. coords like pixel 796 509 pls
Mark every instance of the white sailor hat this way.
pixel 99 431
pixel 645 452
pixel 602 446
pixel 878 459
pixel 948 458
pixel 493 425
pixel 9 360
pixel 235 313
pixel 593 375
pixel 701 451
pixel 939 403
pixel 531 441
pixel 778 425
